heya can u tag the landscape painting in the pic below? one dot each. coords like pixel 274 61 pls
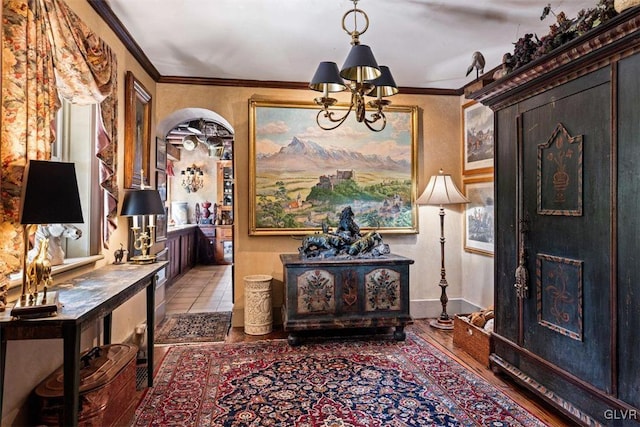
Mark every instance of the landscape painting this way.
pixel 477 125
pixel 479 216
pixel 302 176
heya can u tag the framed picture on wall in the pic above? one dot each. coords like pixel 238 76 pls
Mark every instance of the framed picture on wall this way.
pixel 479 233
pixel 137 133
pixel 161 226
pixel 302 177
pixel 161 154
pixel 161 220
pixel 477 138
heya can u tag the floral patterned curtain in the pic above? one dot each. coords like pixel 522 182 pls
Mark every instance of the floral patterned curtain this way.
pixel 45 49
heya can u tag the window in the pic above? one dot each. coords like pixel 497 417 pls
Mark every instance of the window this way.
pixel 76 130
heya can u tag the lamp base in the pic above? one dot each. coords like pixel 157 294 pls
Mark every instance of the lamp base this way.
pixel 38 307
pixel 438 323
pixel 143 259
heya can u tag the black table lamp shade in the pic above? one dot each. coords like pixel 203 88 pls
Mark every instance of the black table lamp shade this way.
pixel 142 202
pixel 50 194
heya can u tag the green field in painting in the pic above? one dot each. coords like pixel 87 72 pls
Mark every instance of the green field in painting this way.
pixel 281 202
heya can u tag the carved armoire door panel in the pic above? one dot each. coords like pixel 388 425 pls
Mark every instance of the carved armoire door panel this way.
pixel 565 176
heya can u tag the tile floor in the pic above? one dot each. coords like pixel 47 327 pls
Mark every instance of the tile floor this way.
pixel 204 288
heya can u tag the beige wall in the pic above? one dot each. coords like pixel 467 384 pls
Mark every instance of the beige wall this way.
pixel 439 147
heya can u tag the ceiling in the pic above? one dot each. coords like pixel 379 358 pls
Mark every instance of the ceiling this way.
pixel 426 43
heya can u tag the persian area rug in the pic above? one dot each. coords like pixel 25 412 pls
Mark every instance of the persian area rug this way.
pixel 360 383
pixel 193 327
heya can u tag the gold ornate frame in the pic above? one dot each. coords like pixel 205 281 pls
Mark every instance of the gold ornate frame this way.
pixel 278 189
pixel 137 133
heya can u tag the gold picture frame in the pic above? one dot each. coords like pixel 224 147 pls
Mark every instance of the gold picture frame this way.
pixel 137 133
pixel 479 216
pixel 477 139
pixel 292 159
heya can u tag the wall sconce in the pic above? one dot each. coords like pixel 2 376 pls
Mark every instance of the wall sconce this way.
pixel 440 191
pixel 192 179
pixel 49 196
pixel 142 202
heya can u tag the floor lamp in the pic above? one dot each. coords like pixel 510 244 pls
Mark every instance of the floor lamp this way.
pixel 441 191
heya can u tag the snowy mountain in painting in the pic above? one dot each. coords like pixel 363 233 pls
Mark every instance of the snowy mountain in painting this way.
pixel 307 156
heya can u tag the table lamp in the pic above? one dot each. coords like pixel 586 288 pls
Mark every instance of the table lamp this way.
pixel 441 191
pixel 49 196
pixel 142 202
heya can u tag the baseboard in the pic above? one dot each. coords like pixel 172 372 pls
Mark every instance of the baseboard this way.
pixel 429 309
pixel 419 309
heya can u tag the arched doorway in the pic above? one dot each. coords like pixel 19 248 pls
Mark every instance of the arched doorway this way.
pixel 201 205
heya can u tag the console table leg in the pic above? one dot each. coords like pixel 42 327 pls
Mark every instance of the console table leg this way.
pixel 3 357
pixel 293 340
pixel 106 322
pixel 71 371
pixel 151 319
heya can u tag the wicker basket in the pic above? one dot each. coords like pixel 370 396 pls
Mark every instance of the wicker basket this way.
pixel 472 339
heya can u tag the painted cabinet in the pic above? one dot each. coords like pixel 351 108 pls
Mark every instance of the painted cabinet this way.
pixel 335 293
pixel 567 287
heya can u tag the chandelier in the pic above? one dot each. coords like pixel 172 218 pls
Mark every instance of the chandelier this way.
pixel 192 178
pixel 363 77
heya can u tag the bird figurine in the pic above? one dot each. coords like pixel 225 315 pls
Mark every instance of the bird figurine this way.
pixel 477 63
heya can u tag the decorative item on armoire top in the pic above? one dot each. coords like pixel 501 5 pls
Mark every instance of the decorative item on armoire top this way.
pixel 529 47
pixel 477 62
pixel 365 77
pixel 145 202
pixel 49 195
pixel 440 191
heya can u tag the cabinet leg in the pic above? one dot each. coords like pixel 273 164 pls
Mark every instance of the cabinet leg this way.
pixel 399 334
pixel 293 340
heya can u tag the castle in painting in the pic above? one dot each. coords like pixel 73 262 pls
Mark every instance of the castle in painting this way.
pixel 328 182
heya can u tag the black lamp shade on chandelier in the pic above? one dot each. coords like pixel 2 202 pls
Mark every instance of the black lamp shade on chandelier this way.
pixel 50 194
pixel 364 76
pixel 142 202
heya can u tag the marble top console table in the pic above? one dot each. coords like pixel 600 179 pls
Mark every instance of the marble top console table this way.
pixel 84 299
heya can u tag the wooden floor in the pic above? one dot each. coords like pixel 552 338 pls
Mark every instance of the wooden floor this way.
pixel 444 341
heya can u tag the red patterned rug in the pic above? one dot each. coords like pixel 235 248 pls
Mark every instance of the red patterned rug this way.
pixel 336 383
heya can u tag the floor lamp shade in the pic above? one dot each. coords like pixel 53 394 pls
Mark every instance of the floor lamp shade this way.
pixel 50 194
pixel 441 190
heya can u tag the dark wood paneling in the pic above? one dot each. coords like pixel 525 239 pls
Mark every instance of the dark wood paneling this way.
pixel 506 248
pixel 629 229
